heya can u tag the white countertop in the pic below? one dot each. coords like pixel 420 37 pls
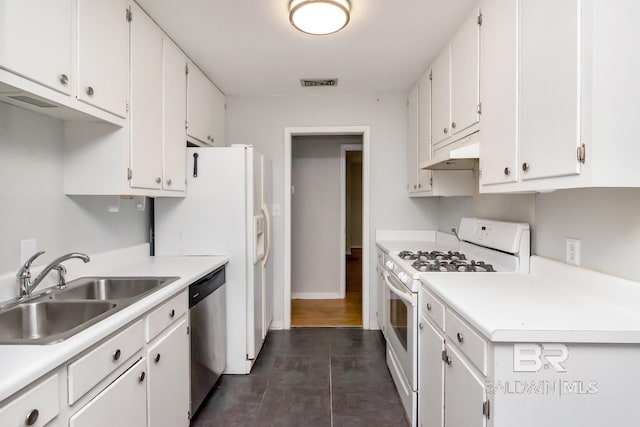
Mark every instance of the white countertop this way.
pixel 22 364
pixel 555 303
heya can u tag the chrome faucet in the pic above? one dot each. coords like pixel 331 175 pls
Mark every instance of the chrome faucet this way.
pixel 23 277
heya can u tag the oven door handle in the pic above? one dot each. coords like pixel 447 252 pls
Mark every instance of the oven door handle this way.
pixel 398 291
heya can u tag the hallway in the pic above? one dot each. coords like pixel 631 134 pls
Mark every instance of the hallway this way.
pixel 334 312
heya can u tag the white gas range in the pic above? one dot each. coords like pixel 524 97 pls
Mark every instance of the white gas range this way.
pixel 481 246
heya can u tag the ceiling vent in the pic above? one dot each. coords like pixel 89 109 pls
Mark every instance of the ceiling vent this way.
pixel 318 82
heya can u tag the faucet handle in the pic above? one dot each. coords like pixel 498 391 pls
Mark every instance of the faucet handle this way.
pixel 62 271
pixel 28 263
pixel 25 269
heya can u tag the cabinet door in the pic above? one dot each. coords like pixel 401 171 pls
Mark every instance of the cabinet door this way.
pixel 431 381
pixel 199 105
pixel 441 96
pixel 174 103
pixel 103 54
pixel 549 87
pixel 499 87
pixel 36 41
pixel 146 101
pixel 122 403
pixel 464 75
pixel 424 130
pixel 218 111
pixel 412 140
pixel 168 385
pixel 464 394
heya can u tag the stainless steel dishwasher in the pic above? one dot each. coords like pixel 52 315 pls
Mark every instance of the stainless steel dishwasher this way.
pixel 207 311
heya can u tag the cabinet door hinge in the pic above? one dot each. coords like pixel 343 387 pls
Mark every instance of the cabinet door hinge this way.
pixel 480 18
pixel 480 108
pixel 188 415
pixel 186 68
pixel 582 153
pixel 129 174
pixel 188 330
pixel 186 124
pixel 431 181
pixel 129 15
pixel 430 74
pixel 445 357
pixel 486 409
pixel 126 106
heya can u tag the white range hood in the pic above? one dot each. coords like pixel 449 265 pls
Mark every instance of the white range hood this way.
pixel 460 155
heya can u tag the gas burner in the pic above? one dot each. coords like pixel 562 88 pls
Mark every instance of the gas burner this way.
pixel 409 255
pixel 454 265
pixel 432 255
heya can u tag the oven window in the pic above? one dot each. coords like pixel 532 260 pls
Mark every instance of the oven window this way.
pixel 398 318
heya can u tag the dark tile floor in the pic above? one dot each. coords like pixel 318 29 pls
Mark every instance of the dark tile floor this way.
pixel 310 377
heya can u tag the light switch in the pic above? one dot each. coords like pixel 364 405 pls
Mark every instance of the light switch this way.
pixel 28 247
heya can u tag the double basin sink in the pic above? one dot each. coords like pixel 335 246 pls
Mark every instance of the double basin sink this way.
pixel 55 315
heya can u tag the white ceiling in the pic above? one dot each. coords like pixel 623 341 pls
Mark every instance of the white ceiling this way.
pixel 248 47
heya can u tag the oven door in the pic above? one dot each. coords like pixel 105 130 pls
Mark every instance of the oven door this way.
pixel 401 320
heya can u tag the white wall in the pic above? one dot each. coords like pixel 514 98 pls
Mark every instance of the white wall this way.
pixel 33 204
pixel 261 121
pixel 315 216
pixel 606 220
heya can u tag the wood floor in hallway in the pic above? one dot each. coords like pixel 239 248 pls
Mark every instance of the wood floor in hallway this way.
pixel 334 312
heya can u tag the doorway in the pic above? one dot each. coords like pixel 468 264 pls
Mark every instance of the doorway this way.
pixel 326 236
pixel 291 191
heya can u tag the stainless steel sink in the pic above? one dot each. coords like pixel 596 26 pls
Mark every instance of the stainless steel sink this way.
pixel 49 321
pixel 54 315
pixel 114 288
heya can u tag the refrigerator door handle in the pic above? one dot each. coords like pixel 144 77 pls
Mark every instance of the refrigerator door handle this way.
pixel 195 165
pixel 267 250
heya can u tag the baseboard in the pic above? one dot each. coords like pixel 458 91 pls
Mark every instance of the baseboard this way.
pixel 276 325
pixel 315 295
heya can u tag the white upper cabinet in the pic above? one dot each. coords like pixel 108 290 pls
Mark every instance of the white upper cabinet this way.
pixel 146 101
pixel 174 104
pixel 103 54
pixel 549 87
pixel 465 97
pixel 424 130
pixel 559 110
pixel 37 41
pixel 441 96
pixel 205 109
pixel 499 85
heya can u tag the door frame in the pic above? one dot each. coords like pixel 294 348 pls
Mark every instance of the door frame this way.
pixel 289 133
pixel 343 213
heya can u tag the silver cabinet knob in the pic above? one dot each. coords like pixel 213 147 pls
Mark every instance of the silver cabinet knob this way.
pixel 141 376
pixel 445 130
pixel 64 79
pixel 507 171
pixel 525 166
pixel 419 185
pixel 158 180
pixel 415 186
pixel 157 358
pixel 429 307
pixel 116 354
pixel 460 337
pixel 168 182
pixel 32 417
pixel 90 91
pixel 172 314
pixel 453 125
pixel 421 326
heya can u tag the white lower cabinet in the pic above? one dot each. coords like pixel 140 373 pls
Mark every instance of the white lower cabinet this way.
pixel 464 394
pixel 431 376
pixel 35 407
pixel 122 403
pixel 168 385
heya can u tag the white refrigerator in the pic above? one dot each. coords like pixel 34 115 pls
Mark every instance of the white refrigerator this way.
pixel 226 212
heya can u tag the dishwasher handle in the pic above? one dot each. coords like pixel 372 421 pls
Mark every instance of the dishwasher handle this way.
pixel 205 286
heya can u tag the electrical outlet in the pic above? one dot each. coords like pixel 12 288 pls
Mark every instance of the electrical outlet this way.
pixel 573 251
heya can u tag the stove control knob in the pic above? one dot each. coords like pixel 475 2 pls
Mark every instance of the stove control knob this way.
pixel 404 277
pixel 389 265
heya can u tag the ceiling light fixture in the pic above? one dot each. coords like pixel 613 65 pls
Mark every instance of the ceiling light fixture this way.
pixel 319 17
